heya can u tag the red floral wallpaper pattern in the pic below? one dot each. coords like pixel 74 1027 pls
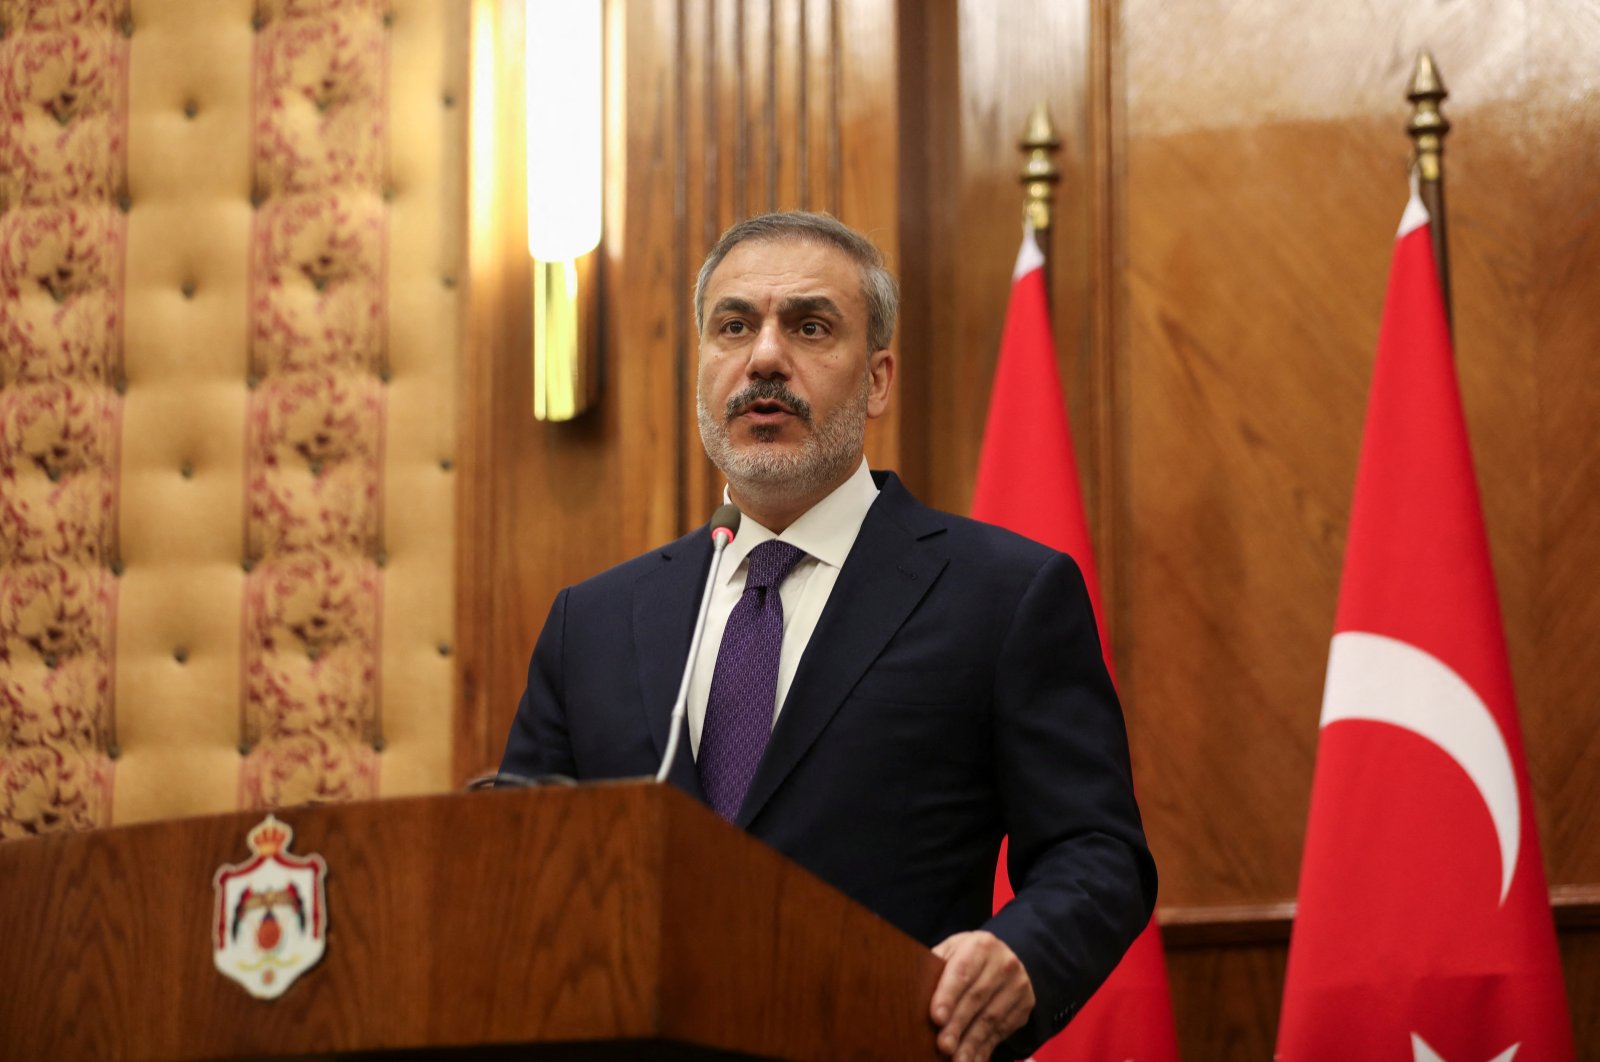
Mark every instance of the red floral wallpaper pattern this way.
pixel 314 458
pixel 63 114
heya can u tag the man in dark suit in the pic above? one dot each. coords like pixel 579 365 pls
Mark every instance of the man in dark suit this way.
pixel 884 691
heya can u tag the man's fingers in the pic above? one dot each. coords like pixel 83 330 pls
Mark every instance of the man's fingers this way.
pixel 958 974
pixel 982 997
pixel 967 1024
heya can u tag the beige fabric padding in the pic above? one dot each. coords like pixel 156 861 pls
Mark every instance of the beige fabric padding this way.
pixel 189 222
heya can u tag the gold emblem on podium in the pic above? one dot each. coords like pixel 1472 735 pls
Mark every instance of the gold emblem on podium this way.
pixel 271 919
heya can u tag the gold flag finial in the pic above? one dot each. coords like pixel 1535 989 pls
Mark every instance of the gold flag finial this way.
pixel 1428 125
pixel 1427 129
pixel 1040 174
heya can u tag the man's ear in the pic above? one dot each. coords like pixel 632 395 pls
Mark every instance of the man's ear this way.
pixel 880 373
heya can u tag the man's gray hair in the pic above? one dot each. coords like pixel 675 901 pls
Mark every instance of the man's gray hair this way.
pixel 877 285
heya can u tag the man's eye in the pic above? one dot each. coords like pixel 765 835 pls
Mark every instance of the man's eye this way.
pixel 734 328
pixel 812 329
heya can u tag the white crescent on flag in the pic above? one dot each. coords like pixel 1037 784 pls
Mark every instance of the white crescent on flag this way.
pixel 1379 679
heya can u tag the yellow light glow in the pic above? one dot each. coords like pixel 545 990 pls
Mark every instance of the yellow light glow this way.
pixel 563 70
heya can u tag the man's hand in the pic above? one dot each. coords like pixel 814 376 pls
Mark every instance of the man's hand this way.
pixel 983 996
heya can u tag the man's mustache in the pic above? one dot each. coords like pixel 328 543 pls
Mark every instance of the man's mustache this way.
pixel 769 391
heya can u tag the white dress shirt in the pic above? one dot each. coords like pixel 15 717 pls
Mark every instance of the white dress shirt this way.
pixel 826 531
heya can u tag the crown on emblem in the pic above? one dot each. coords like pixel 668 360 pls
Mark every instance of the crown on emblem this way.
pixel 270 838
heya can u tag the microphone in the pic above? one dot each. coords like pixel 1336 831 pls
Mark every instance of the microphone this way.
pixel 724 525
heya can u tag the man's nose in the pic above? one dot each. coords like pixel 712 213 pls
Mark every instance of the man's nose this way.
pixel 769 354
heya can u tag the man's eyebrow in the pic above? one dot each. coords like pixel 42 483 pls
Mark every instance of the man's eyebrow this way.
pixel 733 304
pixel 796 305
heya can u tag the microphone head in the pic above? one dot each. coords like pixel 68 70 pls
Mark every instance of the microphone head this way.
pixel 725 523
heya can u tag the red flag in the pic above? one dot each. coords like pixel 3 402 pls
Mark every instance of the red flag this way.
pixel 1028 482
pixel 1424 929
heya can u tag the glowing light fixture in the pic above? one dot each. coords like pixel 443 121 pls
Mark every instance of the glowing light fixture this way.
pixel 563 68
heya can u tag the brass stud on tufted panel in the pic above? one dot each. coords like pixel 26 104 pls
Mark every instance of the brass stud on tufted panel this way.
pixel 124 203
pixel 188 289
pixel 116 568
pixel 378 744
pixel 448 99
pixel 446 465
pixel 448 280
pixel 126 26
pixel 181 655
pixel 186 470
pixel 120 385
pixel 113 751
pixel 445 649
pixel 381 559
pixel 191 109
pixel 252 381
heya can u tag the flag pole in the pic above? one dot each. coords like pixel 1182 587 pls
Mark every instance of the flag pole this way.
pixel 1039 176
pixel 1427 128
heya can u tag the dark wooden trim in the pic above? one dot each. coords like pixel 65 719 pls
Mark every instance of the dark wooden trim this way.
pixel 474 529
pixel 1106 449
pixel 1203 927
pixel 1576 908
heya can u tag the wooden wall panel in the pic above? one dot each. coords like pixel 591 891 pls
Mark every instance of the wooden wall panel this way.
pixel 973 71
pixel 1261 177
pixel 1260 201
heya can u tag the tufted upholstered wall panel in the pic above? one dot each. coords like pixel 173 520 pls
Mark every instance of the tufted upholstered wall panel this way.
pixel 259 566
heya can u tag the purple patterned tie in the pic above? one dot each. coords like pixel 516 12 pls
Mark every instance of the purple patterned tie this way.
pixel 744 684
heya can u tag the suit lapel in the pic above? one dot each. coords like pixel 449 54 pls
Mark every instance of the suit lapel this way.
pixel 888 571
pixel 664 609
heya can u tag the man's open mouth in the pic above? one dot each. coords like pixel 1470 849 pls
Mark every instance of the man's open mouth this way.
pixel 765 408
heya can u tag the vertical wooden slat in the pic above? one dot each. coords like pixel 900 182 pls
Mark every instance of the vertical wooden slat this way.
pixel 756 118
pixel 788 93
pixel 821 65
pixel 866 71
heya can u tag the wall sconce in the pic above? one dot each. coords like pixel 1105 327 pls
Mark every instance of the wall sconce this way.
pixel 563 66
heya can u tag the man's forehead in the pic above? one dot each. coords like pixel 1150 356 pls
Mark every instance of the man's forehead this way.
pixel 808 267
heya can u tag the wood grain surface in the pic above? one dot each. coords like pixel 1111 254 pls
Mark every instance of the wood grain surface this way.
pixel 620 912
pixel 1262 177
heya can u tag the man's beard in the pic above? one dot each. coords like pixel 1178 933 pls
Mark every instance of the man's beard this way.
pixel 828 453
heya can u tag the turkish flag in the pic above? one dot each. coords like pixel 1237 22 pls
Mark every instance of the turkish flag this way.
pixel 1028 482
pixel 1424 928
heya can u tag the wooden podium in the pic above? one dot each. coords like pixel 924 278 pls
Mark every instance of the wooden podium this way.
pixel 609 921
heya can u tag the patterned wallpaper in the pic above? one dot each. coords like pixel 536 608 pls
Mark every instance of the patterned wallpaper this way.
pixel 62 235
pixel 317 359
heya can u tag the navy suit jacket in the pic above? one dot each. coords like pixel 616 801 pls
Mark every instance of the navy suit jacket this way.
pixel 953 693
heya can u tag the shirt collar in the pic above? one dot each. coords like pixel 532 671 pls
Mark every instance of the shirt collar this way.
pixel 825 531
